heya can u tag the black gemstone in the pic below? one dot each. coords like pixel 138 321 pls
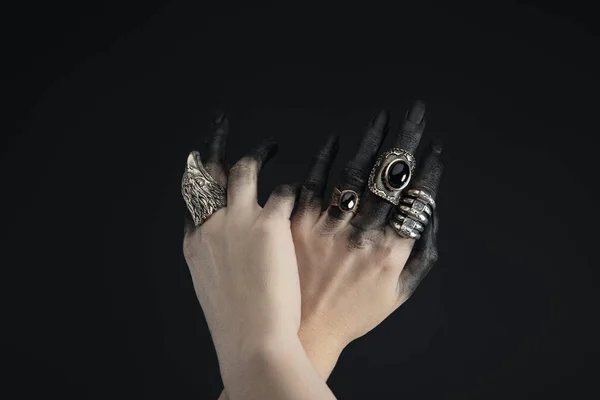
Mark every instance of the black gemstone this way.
pixel 398 174
pixel 348 201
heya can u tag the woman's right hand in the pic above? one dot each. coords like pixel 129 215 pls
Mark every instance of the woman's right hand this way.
pixel 245 274
pixel 356 270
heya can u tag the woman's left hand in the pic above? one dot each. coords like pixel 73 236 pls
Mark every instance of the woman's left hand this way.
pixel 355 270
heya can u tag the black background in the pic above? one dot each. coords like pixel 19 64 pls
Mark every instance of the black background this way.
pixel 102 102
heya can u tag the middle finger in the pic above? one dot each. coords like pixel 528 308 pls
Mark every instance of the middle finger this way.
pixel 374 210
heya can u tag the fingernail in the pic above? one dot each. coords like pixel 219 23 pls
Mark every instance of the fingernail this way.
pixel 436 146
pixel 271 144
pixel 381 120
pixel 416 113
pixel 270 140
pixel 220 118
pixel 336 142
pixel 333 142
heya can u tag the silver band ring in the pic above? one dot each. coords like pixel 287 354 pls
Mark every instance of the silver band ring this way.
pixel 416 204
pixel 419 216
pixel 420 194
pixel 404 231
pixel 409 222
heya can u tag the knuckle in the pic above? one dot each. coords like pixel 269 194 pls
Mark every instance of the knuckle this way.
pixel 431 256
pixel 323 155
pixel 268 226
pixel 427 184
pixel 358 240
pixel 246 166
pixel 429 178
pixel 408 287
pixel 353 175
pixel 385 258
pixel 301 236
pixel 312 184
pixel 308 200
pixel 284 190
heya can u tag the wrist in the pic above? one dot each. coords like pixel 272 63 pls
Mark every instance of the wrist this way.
pixel 258 354
pixel 322 349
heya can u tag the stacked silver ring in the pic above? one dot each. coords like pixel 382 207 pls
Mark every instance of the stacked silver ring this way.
pixel 412 214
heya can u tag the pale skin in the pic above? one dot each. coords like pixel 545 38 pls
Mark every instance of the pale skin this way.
pixel 286 287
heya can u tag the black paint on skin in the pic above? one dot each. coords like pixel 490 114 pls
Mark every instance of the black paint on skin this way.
pixel 356 172
pixel 214 151
pixel 313 188
pixel 424 253
pixel 249 166
pixel 213 156
pixel 286 189
pixel 284 192
pixel 264 152
pixel 373 211
pixel 428 174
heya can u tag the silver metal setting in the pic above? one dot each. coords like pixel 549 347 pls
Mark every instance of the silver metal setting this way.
pixel 201 193
pixel 409 222
pixel 336 196
pixel 414 214
pixel 416 204
pixel 378 178
pixel 403 230
pixel 420 194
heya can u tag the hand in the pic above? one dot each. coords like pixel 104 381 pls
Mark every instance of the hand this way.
pixel 355 271
pixel 243 265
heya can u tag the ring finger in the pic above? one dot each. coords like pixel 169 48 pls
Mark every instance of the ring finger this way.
pixel 421 195
pixel 356 172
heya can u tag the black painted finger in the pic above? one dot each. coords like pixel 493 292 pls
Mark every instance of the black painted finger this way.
pixel 428 175
pixel 281 202
pixel 243 175
pixel 356 172
pixel 374 210
pixel 215 151
pixel 372 213
pixel 310 199
pixel 422 258
pixel 412 127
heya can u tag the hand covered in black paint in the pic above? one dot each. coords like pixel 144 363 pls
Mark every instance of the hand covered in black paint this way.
pixel 356 270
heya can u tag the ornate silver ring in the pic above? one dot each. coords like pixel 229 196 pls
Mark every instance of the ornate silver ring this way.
pixel 201 193
pixel 391 174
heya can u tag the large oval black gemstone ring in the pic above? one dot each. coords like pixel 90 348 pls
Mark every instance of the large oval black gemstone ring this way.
pixel 346 200
pixel 391 174
pixel 396 175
